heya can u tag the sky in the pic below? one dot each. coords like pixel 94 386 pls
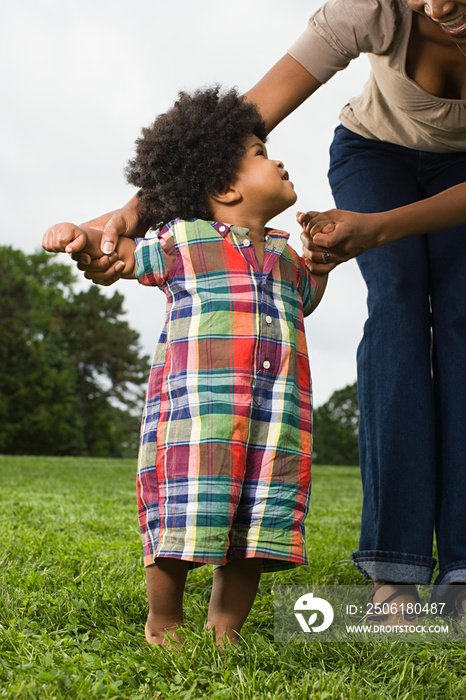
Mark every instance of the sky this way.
pixel 79 80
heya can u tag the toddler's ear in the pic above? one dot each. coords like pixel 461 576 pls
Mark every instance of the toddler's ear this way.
pixel 229 195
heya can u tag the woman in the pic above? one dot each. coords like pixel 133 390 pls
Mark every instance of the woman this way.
pixel 402 140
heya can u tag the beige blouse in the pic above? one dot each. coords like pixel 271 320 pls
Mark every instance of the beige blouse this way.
pixel 391 107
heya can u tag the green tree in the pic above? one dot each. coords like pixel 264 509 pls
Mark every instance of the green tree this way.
pixel 111 373
pixel 71 372
pixel 336 429
pixel 38 400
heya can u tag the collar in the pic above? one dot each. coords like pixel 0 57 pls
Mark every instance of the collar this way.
pixel 223 229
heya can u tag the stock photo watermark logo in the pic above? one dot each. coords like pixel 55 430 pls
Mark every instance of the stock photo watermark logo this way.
pixel 348 613
pixel 307 603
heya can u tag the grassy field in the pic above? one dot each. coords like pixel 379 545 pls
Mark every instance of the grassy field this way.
pixel 73 606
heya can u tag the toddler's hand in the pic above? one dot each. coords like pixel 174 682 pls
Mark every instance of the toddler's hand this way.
pixel 318 260
pixel 64 238
pixel 313 222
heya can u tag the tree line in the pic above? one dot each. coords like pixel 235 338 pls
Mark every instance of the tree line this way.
pixel 335 427
pixel 72 374
pixel 73 377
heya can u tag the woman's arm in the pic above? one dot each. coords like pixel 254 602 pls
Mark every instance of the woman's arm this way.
pixel 346 234
pixel 286 85
pixel 443 210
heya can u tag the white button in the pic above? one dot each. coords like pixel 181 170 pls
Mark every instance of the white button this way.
pixel 222 228
pixel 247 242
pixel 266 364
pixel 268 319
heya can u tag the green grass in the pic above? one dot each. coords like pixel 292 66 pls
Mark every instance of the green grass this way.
pixel 73 603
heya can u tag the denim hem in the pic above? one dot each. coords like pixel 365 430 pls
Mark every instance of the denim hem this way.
pixel 396 567
pixel 444 587
pixel 455 573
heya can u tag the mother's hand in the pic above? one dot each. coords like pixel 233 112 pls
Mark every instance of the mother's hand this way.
pixel 105 270
pixel 127 221
pixel 335 236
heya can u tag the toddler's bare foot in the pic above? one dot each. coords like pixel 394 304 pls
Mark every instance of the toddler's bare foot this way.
pixel 224 638
pixel 165 636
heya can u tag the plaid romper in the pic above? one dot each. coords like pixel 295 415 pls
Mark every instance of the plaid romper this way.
pixel 225 455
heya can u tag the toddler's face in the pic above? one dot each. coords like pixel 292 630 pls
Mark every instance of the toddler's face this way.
pixel 262 182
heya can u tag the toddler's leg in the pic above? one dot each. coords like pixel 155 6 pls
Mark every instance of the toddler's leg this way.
pixel 233 591
pixel 165 582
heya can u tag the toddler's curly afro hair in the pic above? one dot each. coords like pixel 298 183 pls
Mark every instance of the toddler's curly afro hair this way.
pixel 192 151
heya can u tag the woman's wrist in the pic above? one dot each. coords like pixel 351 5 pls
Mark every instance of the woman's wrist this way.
pixel 385 227
pixel 133 214
pixel 134 207
pixel 135 203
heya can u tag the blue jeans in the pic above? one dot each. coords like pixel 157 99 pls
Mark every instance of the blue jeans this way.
pixel 411 368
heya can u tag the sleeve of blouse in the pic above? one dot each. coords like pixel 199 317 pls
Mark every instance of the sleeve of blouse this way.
pixel 156 258
pixel 340 30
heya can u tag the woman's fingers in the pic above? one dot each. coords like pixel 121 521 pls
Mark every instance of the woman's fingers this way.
pixel 105 270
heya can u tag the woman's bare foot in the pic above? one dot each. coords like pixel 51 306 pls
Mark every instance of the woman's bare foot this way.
pixel 393 604
pixel 460 609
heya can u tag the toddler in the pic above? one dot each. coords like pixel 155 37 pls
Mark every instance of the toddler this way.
pixel 224 469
